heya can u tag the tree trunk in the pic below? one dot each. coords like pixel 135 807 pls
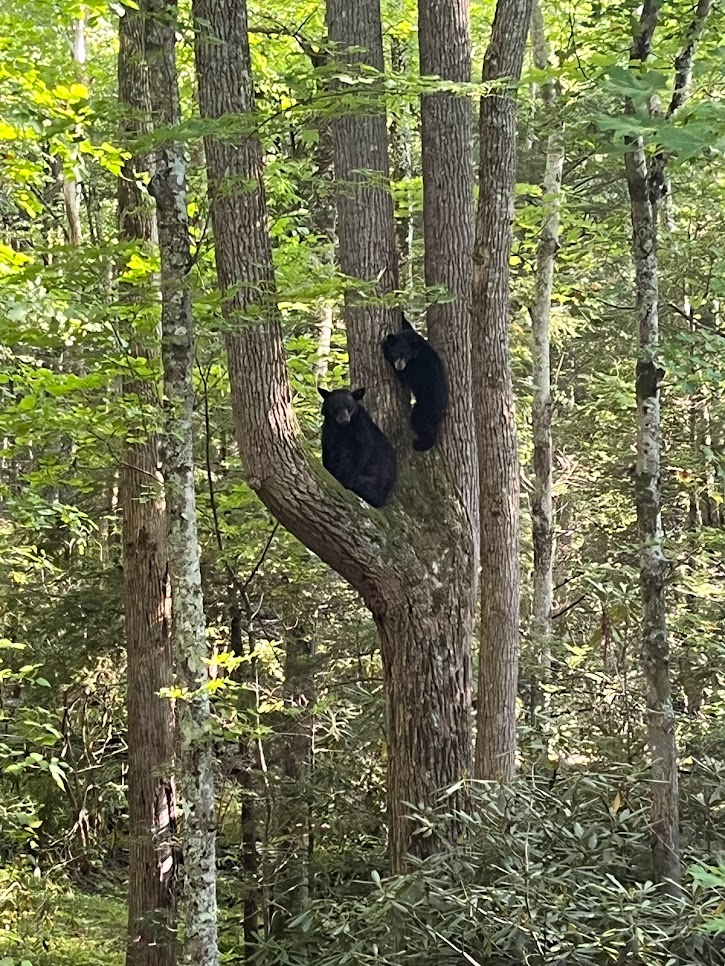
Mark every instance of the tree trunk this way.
pixel 293 754
pixel 494 400
pixel 652 563
pixel 168 187
pixel 150 718
pixel 542 504
pixel 71 187
pixel 326 326
pixel 644 184
pixel 414 569
pixel 401 143
pixel 365 218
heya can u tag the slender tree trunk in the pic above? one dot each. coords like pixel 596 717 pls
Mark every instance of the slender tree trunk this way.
pixel 414 569
pixel 494 400
pixel 661 735
pixel 150 718
pixel 542 504
pixel 71 187
pixel 644 184
pixel 293 747
pixel 249 768
pixel 168 187
pixel 325 340
pixel 652 562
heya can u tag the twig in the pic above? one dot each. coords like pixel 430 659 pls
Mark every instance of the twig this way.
pixel 564 610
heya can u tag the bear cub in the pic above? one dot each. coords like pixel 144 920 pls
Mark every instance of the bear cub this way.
pixel 354 449
pixel 419 367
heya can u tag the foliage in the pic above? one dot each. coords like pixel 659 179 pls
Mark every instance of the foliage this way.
pixel 51 923
pixel 548 870
pixel 554 869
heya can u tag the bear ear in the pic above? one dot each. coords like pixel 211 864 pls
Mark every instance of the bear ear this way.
pixel 406 324
pixel 358 393
pixel 323 392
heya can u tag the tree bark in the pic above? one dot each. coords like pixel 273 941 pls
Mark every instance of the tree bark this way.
pixel 168 187
pixel 293 753
pixel 365 218
pixel 401 143
pixel 416 569
pixel 150 718
pixel 542 503
pixel 494 401
pixel 643 184
pixel 71 186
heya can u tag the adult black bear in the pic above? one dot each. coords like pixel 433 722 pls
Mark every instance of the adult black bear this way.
pixel 419 367
pixel 356 451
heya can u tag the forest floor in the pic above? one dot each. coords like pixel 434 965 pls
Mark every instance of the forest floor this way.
pixel 44 924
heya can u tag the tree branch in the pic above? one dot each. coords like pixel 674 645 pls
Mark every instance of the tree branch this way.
pixel 642 41
pixel 684 60
pixel 680 91
pixel 329 520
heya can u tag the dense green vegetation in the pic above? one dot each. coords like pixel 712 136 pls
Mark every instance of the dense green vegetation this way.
pixel 554 867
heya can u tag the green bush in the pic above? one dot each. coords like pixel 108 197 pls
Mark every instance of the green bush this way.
pixel 542 874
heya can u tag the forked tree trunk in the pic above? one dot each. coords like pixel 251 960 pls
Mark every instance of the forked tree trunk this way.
pixel 643 184
pixel 196 775
pixel 542 503
pixel 414 567
pixel 494 400
pixel 147 602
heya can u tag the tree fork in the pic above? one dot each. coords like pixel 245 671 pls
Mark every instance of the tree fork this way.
pixel 415 569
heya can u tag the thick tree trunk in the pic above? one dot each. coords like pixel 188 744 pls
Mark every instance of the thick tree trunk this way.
pixel 168 187
pixel 542 504
pixel 494 400
pixel 365 221
pixel 401 145
pixel 447 162
pixel 415 569
pixel 147 602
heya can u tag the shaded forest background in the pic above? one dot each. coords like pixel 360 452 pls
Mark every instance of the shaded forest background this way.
pixel 554 866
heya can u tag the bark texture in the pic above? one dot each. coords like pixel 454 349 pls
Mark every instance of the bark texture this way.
pixel 168 187
pixel 147 602
pixel 542 504
pixel 446 142
pixel 644 185
pixel 414 569
pixel 365 222
pixel 401 148
pixel 71 186
pixel 493 398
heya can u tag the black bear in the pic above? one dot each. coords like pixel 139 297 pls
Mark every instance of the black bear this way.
pixel 356 451
pixel 419 367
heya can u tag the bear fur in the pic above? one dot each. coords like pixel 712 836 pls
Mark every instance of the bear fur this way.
pixel 354 449
pixel 419 367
